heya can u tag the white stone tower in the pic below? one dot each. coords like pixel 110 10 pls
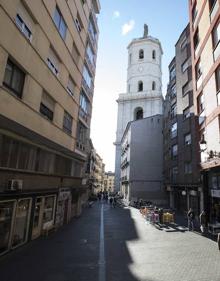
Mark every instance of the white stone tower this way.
pixel 144 88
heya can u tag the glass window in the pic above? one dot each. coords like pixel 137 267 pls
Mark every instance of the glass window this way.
pixel 183 43
pixel 217 78
pixel 196 39
pixel 48 209
pixel 185 89
pixel 194 12
pixel 174 130
pixel 185 66
pixel 92 31
pixel 186 113
pixel 200 103
pixel 47 106
pixel 81 133
pixel 172 73
pixel 198 70
pixel 173 110
pixel 90 55
pixel 216 35
pixel 154 55
pixel 14 78
pixel 153 85
pixel 23 27
pixel 21 223
pixel 53 62
pixel 67 122
pixel 60 23
pixel 211 4
pixel 188 168
pixel 87 77
pixel 187 139
pixel 6 213
pixel 174 150
pixel 70 86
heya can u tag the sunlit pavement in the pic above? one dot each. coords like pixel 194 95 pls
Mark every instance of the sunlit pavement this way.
pixel 107 244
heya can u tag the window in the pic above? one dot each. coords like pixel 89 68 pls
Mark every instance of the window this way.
pixel 211 4
pixel 130 57
pixel 60 23
pixel 23 27
pixel 92 31
pixel 90 55
pixel 81 136
pixel 172 73
pixel 173 91
pixel 194 12
pixel 200 103
pixel 185 89
pixel 198 70
pixel 174 173
pixel 70 86
pixel 183 43
pixel 141 54
pixel 53 62
pixel 78 24
pixel 153 86
pixel 184 66
pixel 14 78
pixel 186 113
pixel 67 122
pixel 140 86
pixel 174 150
pixel 85 108
pixel 188 168
pixel 87 77
pixel 174 130
pixel 187 139
pixel 216 35
pixel 173 110
pixel 196 39
pixel 47 106
pixel 139 114
pixel 154 55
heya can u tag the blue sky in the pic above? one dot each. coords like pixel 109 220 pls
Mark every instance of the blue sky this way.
pixel 166 19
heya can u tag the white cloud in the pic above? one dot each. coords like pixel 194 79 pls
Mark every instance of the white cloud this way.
pixel 116 14
pixel 127 27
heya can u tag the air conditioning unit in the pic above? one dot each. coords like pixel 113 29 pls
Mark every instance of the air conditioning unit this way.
pixel 15 185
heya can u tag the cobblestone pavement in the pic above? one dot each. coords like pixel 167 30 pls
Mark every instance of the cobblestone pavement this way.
pixel 125 248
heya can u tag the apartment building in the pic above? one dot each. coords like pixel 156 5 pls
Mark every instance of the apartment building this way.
pixel 99 173
pixel 48 54
pixel 205 36
pixel 181 159
pixel 109 179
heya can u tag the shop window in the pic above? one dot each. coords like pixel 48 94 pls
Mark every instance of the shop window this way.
pixel 14 78
pixel 60 23
pixel 6 213
pixel 21 223
pixel 48 214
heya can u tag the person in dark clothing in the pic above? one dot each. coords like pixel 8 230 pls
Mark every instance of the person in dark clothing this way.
pixel 191 217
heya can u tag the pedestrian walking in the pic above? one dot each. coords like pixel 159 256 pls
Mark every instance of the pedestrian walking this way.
pixel 202 220
pixel 111 201
pixel 191 217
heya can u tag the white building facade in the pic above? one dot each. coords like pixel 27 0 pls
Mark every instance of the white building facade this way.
pixel 144 89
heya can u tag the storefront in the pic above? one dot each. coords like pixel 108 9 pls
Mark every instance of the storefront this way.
pixel 63 212
pixel 22 219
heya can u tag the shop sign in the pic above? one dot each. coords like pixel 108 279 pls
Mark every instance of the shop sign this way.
pixel 215 192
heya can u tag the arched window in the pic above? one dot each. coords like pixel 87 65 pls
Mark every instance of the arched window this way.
pixel 140 86
pixel 138 113
pixel 153 85
pixel 154 55
pixel 141 54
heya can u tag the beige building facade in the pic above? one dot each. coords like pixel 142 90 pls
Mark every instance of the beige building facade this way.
pixel 48 55
pixel 205 38
pixel 109 182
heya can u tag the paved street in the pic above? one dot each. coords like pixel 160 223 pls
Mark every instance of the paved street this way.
pixel 108 244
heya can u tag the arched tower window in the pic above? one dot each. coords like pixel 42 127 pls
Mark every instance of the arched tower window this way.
pixel 138 113
pixel 141 54
pixel 140 86
pixel 154 55
pixel 153 85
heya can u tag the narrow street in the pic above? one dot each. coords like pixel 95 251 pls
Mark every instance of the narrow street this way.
pixel 107 244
